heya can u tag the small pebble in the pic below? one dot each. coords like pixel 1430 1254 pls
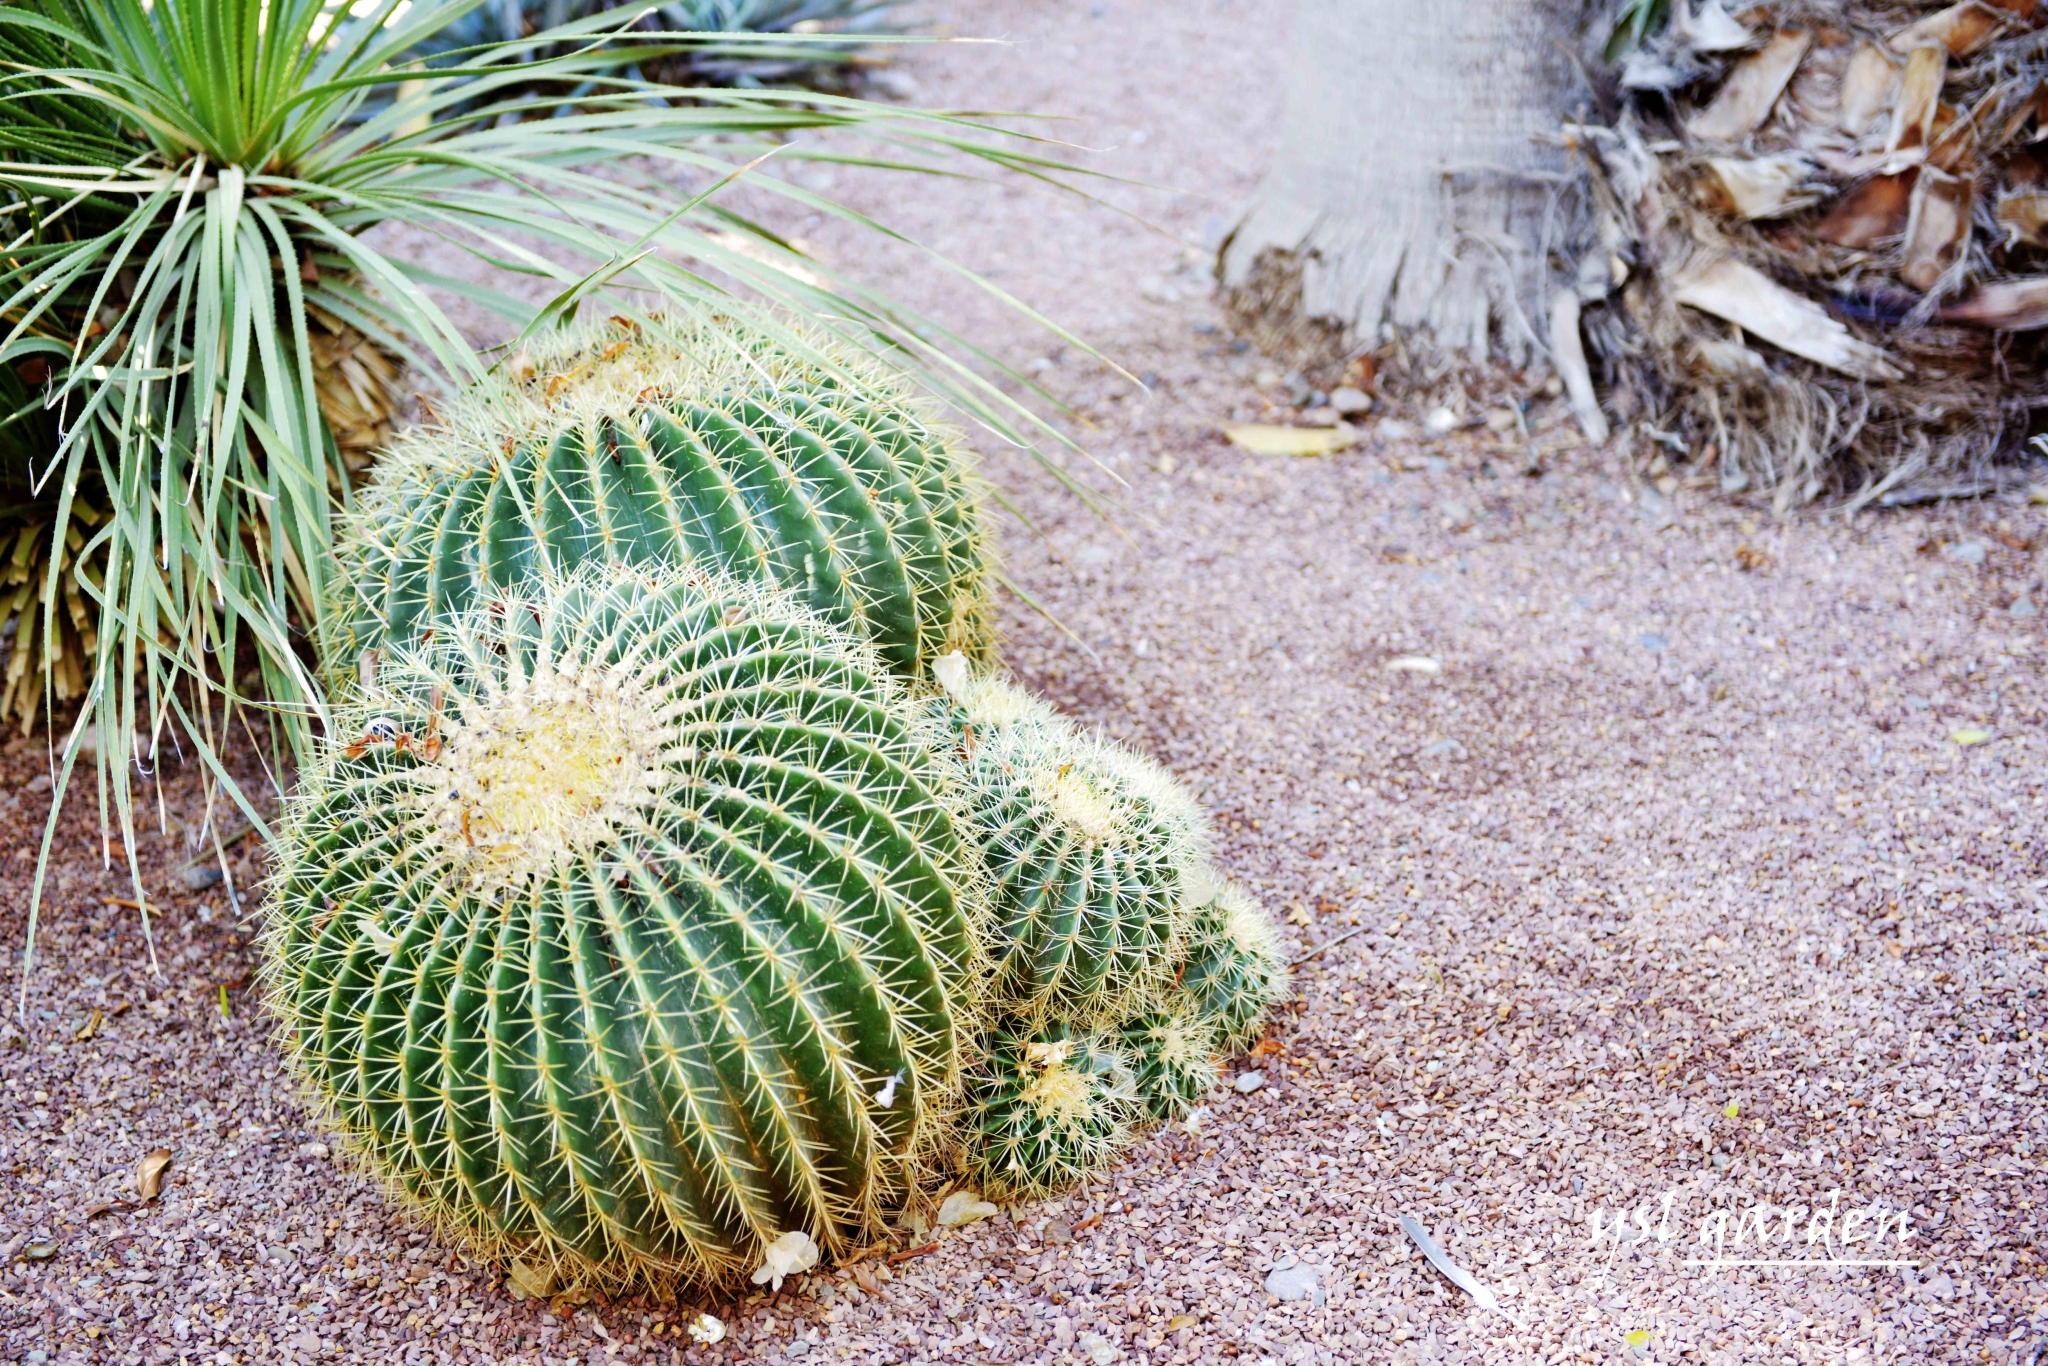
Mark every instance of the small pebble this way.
pixel 1292 1281
pixel 1248 1082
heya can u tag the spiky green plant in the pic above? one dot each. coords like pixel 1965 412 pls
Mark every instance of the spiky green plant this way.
pixel 1091 850
pixel 771 41
pixel 625 927
pixel 1232 969
pixel 706 442
pixel 187 187
pixel 1173 1049
pixel 1046 1107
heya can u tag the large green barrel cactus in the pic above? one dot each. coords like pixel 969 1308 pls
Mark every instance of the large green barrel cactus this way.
pixel 700 442
pixel 1091 850
pixel 626 927
pixel 1045 1108
pixel 1231 969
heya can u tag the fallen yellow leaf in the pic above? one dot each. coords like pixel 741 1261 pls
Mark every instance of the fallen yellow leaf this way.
pixel 537 1282
pixel 149 1173
pixel 1180 1321
pixel 1263 439
pixel 90 1027
pixel 1639 1338
pixel 1970 735
pixel 1731 1109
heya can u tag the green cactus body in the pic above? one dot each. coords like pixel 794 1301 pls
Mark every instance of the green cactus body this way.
pixel 1046 1108
pixel 633 930
pixel 1232 969
pixel 1090 849
pixel 703 443
pixel 1173 1054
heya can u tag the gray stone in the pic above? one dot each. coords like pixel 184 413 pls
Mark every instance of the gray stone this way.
pixel 2022 607
pixel 1348 400
pixel 1650 640
pixel 1292 1281
pixel 797 1348
pixel 1248 1082
pixel 1965 552
pixel 198 877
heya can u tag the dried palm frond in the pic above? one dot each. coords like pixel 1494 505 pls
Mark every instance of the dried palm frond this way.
pixel 1820 269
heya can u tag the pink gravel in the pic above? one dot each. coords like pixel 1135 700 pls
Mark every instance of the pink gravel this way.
pixel 1672 878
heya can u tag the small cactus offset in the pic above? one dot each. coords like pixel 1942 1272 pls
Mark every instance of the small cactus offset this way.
pixel 1091 850
pixel 631 931
pixel 1046 1108
pixel 700 442
pixel 1232 969
pixel 1173 1052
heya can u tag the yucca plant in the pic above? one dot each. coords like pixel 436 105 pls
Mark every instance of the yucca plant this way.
pixel 200 333
pixel 626 927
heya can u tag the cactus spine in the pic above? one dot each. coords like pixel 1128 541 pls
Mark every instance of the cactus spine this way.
pixel 700 442
pixel 1173 1051
pixel 1046 1108
pixel 633 930
pixel 1232 969
pixel 1091 850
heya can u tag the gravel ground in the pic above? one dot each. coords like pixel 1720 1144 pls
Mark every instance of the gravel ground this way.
pixel 1668 888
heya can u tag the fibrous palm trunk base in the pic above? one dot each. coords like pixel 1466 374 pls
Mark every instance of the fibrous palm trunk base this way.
pixel 1823 258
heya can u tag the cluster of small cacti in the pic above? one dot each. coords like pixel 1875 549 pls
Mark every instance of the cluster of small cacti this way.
pixel 675 900
pixel 1124 965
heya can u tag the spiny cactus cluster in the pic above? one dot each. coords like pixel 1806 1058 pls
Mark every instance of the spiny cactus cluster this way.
pixel 1113 939
pixel 678 442
pixel 680 895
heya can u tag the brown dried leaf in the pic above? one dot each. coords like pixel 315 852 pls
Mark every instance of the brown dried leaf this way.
pixel 1869 213
pixel 1919 97
pixel 1938 229
pixel 2008 306
pixel 1960 29
pixel 1745 296
pixel 864 1278
pixel 2024 217
pixel 149 1173
pixel 1744 100
pixel 1869 85
pixel 1761 187
pixel 90 1027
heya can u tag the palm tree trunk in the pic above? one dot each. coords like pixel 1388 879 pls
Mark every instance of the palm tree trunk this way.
pixel 1418 180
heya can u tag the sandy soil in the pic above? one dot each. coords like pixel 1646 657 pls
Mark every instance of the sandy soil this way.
pixel 1669 888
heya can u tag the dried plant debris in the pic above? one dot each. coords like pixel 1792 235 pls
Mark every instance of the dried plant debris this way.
pixel 1822 243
